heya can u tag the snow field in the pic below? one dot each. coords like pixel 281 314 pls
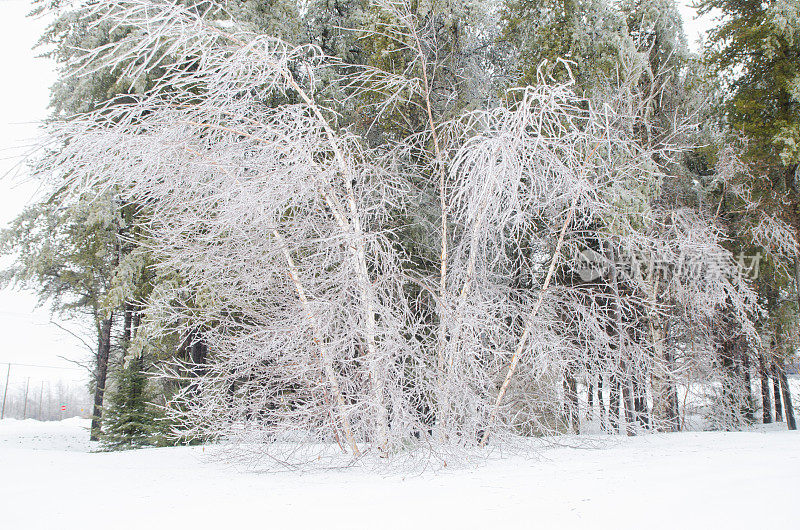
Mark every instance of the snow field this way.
pixel 681 480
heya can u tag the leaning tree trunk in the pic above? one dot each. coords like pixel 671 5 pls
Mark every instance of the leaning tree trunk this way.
pixel 103 351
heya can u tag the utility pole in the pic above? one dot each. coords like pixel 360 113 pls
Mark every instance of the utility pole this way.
pixel 41 393
pixel 5 393
pixel 25 403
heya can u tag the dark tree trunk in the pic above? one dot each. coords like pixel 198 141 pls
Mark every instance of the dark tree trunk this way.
pixel 766 398
pixel 787 396
pixel 730 385
pixel 590 399
pixel 797 260
pixel 601 403
pixel 127 328
pixel 137 321
pixel 672 410
pixel 776 392
pixel 637 401
pixel 673 419
pixel 103 351
pixel 198 353
pixel 749 412
pixel 640 401
pixel 571 395
pixel 613 407
pixel 629 408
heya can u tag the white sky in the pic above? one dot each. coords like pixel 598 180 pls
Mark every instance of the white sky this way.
pixel 26 334
pixel 693 26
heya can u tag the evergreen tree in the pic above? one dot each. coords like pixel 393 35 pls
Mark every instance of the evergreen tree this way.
pixel 130 420
pixel 755 50
pixel 588 33
pixel 67 251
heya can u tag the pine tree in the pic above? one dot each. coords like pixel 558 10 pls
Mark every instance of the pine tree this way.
pixel 588 33
pixel 130 420
pixel 66 251
pixel 755 50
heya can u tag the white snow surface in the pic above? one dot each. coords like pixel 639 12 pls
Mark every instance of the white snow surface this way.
pixel 52 479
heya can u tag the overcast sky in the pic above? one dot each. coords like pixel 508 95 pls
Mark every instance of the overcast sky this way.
pixel 26 334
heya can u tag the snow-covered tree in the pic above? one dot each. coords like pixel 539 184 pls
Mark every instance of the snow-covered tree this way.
pixel 450 274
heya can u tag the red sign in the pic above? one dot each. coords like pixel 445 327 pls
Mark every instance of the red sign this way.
pixel 63 408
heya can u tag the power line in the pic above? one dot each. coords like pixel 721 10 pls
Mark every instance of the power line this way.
pixel 43 366
pixel 8 373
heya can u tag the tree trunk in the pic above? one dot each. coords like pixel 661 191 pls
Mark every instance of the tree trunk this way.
pixel 197 354
pixel 787 396
pixel 673 411
pixel 640 400
pixel 732 412
pixel 629 408
pixel 103 351
pixel 127 328
pixel 621 335
pixel 137 322
pixel 776 391
pixel 766 398
pixel 797 277
pixel 571 403
pixel 673 417
pixel 749 412
pixel 601 403
pixel 613 407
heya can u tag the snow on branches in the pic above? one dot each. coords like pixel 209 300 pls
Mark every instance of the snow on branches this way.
pixel 283 229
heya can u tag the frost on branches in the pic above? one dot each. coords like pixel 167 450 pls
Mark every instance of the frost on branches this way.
pixel 557 272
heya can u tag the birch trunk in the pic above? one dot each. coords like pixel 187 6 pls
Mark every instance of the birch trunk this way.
pixel 319 340
pixel 529 325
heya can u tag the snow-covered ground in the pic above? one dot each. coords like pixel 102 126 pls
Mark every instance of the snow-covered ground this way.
pixel 50 479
